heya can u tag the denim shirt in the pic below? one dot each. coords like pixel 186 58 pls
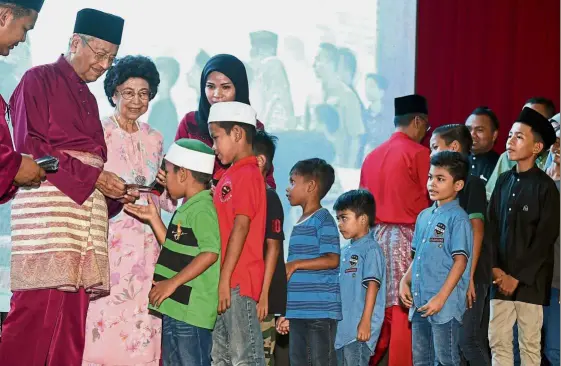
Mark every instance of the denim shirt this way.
pixel 362 261
pixel 440 234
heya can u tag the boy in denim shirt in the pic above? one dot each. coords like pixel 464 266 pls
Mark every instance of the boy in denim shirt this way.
pixel 435 285
pixel 312 269
pixel 362 280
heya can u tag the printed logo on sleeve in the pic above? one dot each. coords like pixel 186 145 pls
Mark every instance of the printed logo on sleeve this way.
pixel 276 226
pixel 226 191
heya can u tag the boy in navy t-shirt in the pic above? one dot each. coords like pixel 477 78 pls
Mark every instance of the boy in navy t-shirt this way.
pixel 314 300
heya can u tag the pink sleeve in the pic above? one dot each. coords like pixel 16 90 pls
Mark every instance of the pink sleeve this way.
pixel 182 132
pixel 9 165
pixel 30 117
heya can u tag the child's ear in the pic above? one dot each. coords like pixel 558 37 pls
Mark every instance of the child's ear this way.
pixel 183 174
pixel 459 185
pixel 455 146
pixel 312 185
pixel 237 131
pixel 538 147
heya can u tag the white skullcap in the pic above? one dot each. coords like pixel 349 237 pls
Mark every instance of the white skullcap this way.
pixel 232 112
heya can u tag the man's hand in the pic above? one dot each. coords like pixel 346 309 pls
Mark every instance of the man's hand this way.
pixel 111 185
pixel 29 173
pixel 363 330
pixel 161 291
pixel 130 197
pixel 263 306
pixel 470 296
pixel 432 307
pixel 147 213
pixel 283 325
pixel 291 267
pixel 224 295
pixel 405 293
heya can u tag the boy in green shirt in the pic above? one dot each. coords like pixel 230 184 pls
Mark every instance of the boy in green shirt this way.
pixel 186 276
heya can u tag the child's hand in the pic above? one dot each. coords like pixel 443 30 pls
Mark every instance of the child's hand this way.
pixel 363 330
pixel 291 267
pixel 507 284
pixel 224 295
pixel 470 294
pixel 405 294
pixel 145 213
pixel 263 306
pixel 212 188
pixel 432 307
pixel 283 325
pixel 161 291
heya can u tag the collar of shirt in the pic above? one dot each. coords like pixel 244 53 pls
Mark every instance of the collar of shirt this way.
pixel 527 173
pixel 249 160
pixel 202 195
pixel 362 239
pixel 445 207
pixel 400 135
pixel 64 66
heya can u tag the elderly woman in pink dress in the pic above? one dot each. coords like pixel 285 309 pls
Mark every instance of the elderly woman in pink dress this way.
pixel 119 329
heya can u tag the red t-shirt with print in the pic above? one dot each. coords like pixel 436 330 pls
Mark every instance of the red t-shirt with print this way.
pixel 241 191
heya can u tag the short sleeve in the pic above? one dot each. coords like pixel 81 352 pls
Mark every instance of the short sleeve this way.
pixel 245 200
pixel 275 217
pixel 205 228
pixel 461 238
pixel 328 235
pixel 374 267
pixel 476 199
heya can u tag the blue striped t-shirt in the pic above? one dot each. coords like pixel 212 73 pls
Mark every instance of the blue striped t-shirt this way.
pixel 314 294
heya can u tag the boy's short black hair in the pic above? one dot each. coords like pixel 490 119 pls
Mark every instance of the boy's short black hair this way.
pixel 455 163
pixel 265 144
pixel 547 103
pixel 456 132
pixel 486 111
pixel 359 201
pixel 203 178
pixel 318 170
pixel 250 130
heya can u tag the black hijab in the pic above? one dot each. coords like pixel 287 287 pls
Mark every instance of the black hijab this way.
pixel 234 69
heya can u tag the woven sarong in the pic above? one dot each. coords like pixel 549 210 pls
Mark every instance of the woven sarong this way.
pixel 57 243
pixel 395 241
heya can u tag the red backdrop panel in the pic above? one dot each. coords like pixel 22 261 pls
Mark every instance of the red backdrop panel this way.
pixel 496 53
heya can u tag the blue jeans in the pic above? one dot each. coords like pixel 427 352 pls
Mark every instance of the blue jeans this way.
pixel 312 342
pixel 237 337
pixel 435 344
pixel 354 354
pixel 551 328
pixel 185 344
pixel 474 342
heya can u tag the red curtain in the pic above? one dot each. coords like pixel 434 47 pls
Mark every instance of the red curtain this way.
pixel 496 53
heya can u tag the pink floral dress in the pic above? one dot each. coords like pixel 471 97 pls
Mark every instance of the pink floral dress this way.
pixel 119 329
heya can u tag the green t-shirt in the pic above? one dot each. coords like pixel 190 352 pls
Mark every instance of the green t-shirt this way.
pixel 193 229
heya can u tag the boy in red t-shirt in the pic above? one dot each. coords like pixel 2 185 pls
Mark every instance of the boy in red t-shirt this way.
pixel 240 201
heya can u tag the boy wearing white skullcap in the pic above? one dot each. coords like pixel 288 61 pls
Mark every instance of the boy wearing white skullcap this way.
pixel 240 201
pixel 186 276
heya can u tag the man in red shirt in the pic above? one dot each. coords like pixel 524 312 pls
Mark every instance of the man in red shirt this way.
pixel 396 174
pixel 241 206
pixel 19 17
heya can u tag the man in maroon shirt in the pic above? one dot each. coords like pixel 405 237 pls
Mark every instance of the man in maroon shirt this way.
pixel 17 17
pixel 396 173
pixel 59 231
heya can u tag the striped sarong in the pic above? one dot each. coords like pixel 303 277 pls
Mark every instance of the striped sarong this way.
pixel 395 240
pixel 57 243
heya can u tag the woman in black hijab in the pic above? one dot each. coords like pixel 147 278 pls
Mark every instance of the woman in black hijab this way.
pixel 224 79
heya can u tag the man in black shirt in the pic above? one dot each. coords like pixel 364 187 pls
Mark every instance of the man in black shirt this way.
pixel 523 223
pixel 472 198
pixel 484 127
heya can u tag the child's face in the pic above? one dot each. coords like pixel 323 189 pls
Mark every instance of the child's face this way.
pixel 441 185
pixel 521 144
pixel 437 144
pixel 174 181
pixel 350 225
pixel 224 145
pixel 298 190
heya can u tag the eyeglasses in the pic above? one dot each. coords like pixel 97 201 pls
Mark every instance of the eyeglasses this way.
pixel 129 94
pixel 99 56
pixel 427 123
